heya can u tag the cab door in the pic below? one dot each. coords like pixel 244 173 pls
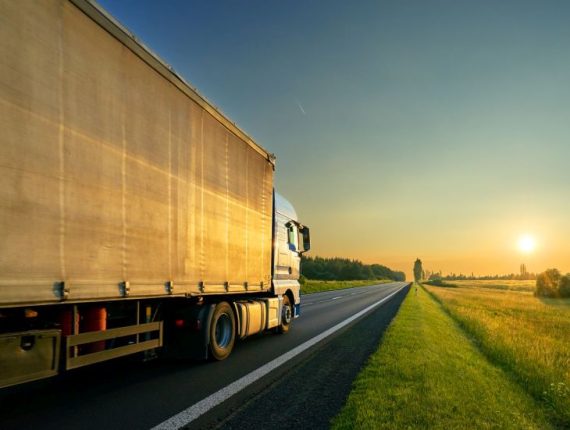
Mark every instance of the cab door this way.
pixel 294 248
pixel 283 254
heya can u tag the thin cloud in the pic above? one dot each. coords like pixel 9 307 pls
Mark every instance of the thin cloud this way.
pixel 301 107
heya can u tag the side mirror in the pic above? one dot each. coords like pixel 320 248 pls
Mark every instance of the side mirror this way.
pixel 306 236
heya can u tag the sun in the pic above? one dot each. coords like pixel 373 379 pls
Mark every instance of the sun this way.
pixel 526 244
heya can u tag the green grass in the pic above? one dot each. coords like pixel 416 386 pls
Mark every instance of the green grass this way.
pixel 310 286
pixel 528 337
pixel 429 374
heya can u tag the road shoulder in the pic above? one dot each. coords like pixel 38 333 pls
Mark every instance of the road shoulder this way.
pixel 309 392
pixel 428 374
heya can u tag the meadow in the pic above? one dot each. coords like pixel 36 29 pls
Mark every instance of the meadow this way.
pixel 312 286
pixel 507 284
pixel 526 336
pixel 428 373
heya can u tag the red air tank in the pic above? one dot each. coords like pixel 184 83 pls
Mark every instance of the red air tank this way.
pixel 94 319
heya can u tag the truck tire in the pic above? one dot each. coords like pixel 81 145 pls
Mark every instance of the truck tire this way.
pixel 222 334
pixel 286 315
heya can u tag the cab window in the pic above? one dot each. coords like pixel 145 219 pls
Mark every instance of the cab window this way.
pixel 293 237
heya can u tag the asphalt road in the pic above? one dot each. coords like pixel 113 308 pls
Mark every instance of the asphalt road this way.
pixel 127 394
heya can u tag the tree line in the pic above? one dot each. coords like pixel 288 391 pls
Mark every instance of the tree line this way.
pixel 461 277
pixel 344 269
pixel 551 283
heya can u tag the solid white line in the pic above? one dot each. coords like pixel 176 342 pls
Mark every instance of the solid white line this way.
pixel 190 414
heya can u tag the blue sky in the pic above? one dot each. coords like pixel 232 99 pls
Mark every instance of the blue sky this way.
pixel 438 129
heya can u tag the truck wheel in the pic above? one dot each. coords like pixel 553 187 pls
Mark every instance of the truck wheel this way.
pixel 222 332
pixel 286 315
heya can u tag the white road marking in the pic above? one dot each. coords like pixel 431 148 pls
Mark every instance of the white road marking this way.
pixel 338 297
pixel 316 303
pixel 190 414
pixel 359 290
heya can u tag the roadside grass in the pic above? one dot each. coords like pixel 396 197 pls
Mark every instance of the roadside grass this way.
pixel 428 374
pixel 528 337
pixel 311 286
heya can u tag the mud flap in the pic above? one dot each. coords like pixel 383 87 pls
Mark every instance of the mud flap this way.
pixel 190 341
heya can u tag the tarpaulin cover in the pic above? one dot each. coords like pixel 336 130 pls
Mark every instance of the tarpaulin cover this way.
pixel 109 173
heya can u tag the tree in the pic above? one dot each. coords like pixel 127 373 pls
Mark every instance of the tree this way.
pixel 434 276
pixel 547 283
pixel 564 286
pixel 344 269
pixel 418 270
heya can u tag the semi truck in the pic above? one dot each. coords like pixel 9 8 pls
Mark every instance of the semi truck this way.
pixel 135 217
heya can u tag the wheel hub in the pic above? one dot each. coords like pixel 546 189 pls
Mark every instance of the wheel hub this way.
pixel 223 331
pixel 287 314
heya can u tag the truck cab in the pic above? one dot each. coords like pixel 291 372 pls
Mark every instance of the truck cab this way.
pixel 291 240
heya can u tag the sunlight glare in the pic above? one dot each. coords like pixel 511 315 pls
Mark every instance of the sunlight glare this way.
pixel 526 244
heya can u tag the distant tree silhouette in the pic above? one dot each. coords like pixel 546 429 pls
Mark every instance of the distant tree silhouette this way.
pixel 418 270
pixel 344 269
pixel 472 277
pixel 547 283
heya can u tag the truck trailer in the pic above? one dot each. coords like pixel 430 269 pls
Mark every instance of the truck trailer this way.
pixel 135 217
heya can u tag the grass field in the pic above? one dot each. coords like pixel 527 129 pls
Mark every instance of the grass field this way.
pixel 310 287
pixel 428 374
pixel 526 336
pixel 511 285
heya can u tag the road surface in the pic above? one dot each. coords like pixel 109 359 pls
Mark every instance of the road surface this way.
pixel 126 394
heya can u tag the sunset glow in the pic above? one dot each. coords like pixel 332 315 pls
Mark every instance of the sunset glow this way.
pixel 526 244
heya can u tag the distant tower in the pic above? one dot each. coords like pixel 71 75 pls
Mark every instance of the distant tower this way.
pixel 524 273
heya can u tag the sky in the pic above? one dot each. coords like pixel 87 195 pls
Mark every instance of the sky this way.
pixel 435 129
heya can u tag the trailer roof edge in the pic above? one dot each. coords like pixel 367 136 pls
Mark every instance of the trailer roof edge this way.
pixel 99 15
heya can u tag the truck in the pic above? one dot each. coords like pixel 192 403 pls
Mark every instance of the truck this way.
pixel 135 217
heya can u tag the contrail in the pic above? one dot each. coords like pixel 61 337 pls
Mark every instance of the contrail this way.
pixel 301 108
